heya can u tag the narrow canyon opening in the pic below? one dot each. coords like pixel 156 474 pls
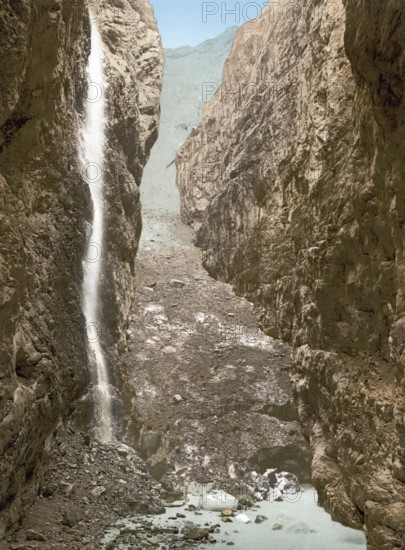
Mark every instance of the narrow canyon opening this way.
pixel 201 268
pixel 214 416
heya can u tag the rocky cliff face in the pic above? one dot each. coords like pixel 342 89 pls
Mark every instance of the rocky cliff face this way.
pixel 46 206
pixel 294 184
pixel 134 77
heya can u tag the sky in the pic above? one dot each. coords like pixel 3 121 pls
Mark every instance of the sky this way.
pixel 189 22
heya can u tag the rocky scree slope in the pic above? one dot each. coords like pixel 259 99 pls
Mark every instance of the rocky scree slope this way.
pixel 46 209
pixel 294 183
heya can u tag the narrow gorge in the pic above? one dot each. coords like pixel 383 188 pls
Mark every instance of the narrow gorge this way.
pixel 201 316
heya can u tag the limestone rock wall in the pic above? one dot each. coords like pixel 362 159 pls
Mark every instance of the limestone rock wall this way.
pixel 294 183
pixel 134 76
pixel 45 208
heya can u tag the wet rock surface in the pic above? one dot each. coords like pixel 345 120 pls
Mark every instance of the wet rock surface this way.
pixel 144 534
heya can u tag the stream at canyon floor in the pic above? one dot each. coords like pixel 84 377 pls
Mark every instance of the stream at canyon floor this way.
pixel 283 525
pixel 213 403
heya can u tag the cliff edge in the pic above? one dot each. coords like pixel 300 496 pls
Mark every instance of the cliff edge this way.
pixel 46 210
pixel 294 184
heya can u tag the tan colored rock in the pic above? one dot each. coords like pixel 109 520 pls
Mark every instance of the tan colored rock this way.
pixel 293 182
pixel 44 207
pixel 134 75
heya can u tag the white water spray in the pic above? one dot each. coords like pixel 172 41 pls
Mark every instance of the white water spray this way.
pixel 93 138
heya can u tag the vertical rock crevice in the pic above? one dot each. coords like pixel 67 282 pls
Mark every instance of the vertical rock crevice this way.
pixel 293 184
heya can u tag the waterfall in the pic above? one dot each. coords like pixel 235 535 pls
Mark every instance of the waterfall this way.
pixel 93 138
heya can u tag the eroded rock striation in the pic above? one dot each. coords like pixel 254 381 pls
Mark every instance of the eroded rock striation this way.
pixel 294 183
pixel 46 209
pixel 134 77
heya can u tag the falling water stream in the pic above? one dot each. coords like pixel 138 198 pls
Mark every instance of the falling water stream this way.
pixel 93 138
